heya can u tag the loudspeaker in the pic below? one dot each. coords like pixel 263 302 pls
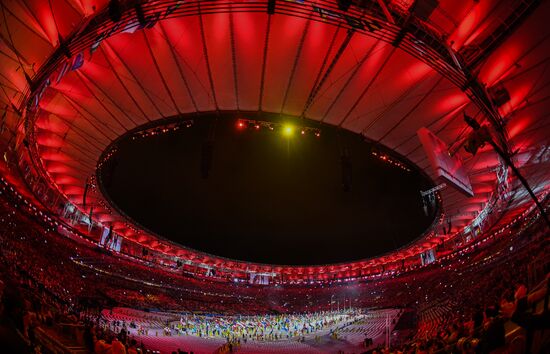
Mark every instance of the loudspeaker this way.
pixel 115 13
pixel 206 158
pixel 476 140
pixel 346 166
pixel 344 4
pixel 64 47
pixel 499 95
pixel 140 15
pixel 271 7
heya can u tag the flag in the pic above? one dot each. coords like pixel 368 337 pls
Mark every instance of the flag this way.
pixel 108 236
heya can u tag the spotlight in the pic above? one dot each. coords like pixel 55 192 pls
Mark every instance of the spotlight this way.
pixel 240 124
pixel 288 130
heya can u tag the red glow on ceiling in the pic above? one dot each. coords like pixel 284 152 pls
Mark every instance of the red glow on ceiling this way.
pixel 454 101
pixel 472 24
pixel 46 21
pixel 50 140
pixel 495 69
pixel 52 123
pixel 416 72
pixel 517 126
pixel 54 155
pixel 464 29
pixel 57 168
pixel 517 96
pixel 483 188
pixel 65 180
pixel 17 80
pixel 73 191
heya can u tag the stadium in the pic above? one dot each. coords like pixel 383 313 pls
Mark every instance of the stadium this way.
pixel 274 176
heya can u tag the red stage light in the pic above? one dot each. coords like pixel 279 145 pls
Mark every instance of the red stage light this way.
pixel 240 125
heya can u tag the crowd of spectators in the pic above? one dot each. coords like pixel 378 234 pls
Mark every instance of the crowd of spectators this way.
pixel 462 302
pixel 486 298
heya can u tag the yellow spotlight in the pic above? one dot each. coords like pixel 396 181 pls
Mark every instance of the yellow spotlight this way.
pixel 288 130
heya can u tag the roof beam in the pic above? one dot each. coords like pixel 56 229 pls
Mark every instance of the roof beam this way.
pixel 264 62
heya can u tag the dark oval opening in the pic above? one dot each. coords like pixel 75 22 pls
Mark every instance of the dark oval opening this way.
pixel 270 196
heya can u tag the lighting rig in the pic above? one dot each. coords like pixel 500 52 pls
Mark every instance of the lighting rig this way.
pixel 480 135
pixel 390 160
pixel 428 198
pixel 107 157
pixel 285 128
pixel 162 130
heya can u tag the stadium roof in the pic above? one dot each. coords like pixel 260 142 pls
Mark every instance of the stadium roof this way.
pixel 74 80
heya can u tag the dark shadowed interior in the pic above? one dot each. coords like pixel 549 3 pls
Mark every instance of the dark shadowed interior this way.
pixel 271 196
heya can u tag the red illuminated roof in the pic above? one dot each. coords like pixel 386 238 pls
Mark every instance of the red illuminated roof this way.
pixel 73 81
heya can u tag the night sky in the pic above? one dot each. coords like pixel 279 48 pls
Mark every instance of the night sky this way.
pixel 268 198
